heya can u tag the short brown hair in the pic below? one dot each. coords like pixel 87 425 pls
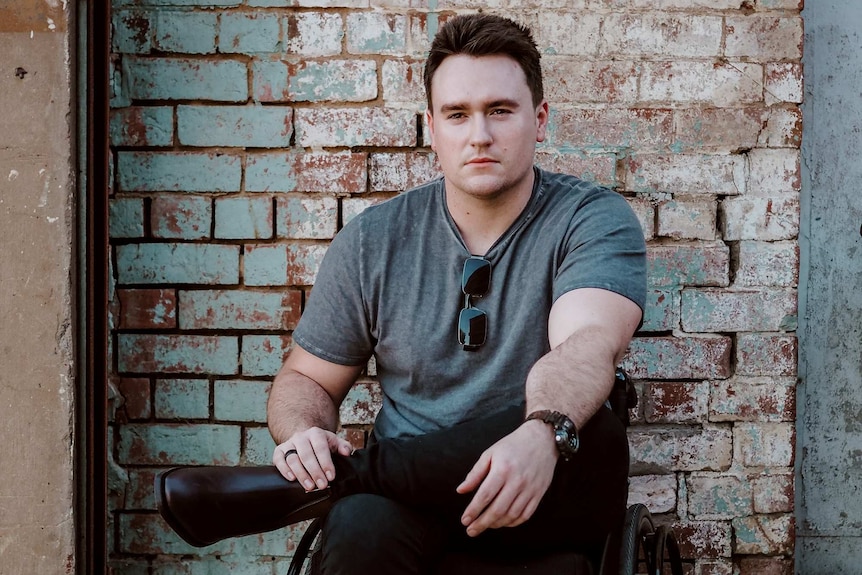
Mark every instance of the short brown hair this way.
pixel 486 35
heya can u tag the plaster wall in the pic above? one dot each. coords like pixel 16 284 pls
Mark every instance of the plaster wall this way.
pixel 830 400
pixel 36 300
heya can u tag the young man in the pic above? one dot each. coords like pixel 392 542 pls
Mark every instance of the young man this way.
pixel 497 301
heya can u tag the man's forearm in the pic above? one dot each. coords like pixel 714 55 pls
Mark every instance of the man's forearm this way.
pixel 297 403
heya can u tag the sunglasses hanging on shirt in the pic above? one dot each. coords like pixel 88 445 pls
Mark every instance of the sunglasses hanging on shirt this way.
pixel 473 322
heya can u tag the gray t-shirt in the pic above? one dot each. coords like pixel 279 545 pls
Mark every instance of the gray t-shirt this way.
pixel 390 285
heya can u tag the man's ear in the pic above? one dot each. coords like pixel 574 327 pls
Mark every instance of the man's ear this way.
pixel 429 119
pixel 542 116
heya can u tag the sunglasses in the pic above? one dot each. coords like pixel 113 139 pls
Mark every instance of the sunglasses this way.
pixel 473 322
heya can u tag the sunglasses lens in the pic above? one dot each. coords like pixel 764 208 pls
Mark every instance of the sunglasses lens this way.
pixel 472 328
pixel 476 278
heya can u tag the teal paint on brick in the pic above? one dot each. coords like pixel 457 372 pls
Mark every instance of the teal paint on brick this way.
pixel 356 127
pixel 178 172
pixel 239 400
pixel 262 355
pixel 182 399
pixel 335 80
pixel 243 218
pixel 241 561
pixel 119 89
pixel 176 263
pixel 303 261
pixel 186 32
pixel 336 173
pixel 361 405
pixel 688 265
pixel 270 81
pixel 250 33
pixel 181 217
pixel 265 265
pixel 186 79
pixel 149 534
pixel 132 32
pixel 177 444
pixel 259 446
pixel 306 218
pixel 193 354
pixel 126 218
pixel 679 357
pixel 142 126
pixel 315 34
pixel 376 33
pixel 241 126
pixel 662 311
pixel 238 309
pixel 201 3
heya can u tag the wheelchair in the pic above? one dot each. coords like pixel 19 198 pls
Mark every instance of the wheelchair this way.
pixel 638 546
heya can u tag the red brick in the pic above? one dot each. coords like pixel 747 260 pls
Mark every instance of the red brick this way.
pixel 362 403
pixel 355 435
pixel 303 261
pixel 783 128
pixel 338 173
pixel 137 398
pixel 705 264
pixel 679 357
pixel 720 129
pixel 599 168
pixel 763 37
pixel 694 174
pixel 774 171
pixel 764 566
pixel 767 264
pixel 762 399
pixel 773 493
pixel 714 496
pixel 764 444
pixel 783 82
pixel 662 33
pixel 665 449
pixel 720 84
pixel 766 354
pixel 687 219
pixel 397 172
pixel 719 310
pixel 703 539
pixel 610 128
pixel 764 535
pixel 675 402
pixel 147 308
pixel 582 82
pixel 657 492
pixel 760 218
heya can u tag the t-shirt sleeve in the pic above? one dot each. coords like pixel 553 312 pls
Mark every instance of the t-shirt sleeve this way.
pixel 334 325
pixel 604 249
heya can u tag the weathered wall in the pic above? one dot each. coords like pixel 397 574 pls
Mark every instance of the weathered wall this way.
pixel 246 133
pixel 830 514
pixel 36 230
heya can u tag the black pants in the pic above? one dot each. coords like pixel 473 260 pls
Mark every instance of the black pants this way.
pixel 397 510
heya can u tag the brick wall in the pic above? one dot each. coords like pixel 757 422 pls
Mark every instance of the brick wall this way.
pixel 245 133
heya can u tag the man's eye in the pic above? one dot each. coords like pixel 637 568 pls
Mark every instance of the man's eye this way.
pixel 455 116
pixel 499 111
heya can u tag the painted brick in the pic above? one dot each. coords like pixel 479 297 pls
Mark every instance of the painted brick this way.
pixel 126 566
pixel 243 217
pixel 270 80
pixel 340 173
pixel 764 444
pixel 332 81
pixel 249 33
pixel 265 265
pixel 185 32
pixel 396 172
pixel 764 534
pixel 186 79
pixel 693 219
pixel 703 539
pixel 126 218
pixel 675 402
pixel 599 168
pixel 179 444
pixel 714 567
pixel 666 449
pixel 310 3
pixel 661 34
pixel 139 490
pixel 241 126
pixel 687 174
pixel 315 34
pixel 688 265
pixel 712 496
pixel 297 262
pixel 181 217
pixel 137 401
pixel 763 37
pixel 303 261
pixel 119 89
pixel 180 171
pixel 147 308
pixel 142 126
pixel 241 400
pixel 766 354
pixel 357 437
pixel 723 129
pixel 765 566
pixel 662 311
pixel 422 28
pixel 403 84
pixel 713 310
pixel 352 207
pixel 763 219
pixel 376 33
pixel 262 355
pixel 774 171
pixel 202 3
pixel 767 264
pixel 362 403
pixel 657 492
pixel 355 127
pixel 239 309
pixel 198 354
pixel 783 82
pixel 586 82
pixel 610 128
pixel 148 533
pixel 182 399
pixel 177 263
pixel 783 129
pixel 306 217
pixel 645 213
pixel 259 446
pixel 773 493
pixel 744 399
pixel 233 564
pixel 131 32
pixel 679 357
pixel 721 84
pixel 568 33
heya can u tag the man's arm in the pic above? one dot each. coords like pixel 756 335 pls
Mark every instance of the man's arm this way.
pixel 589 331
pixel 302 414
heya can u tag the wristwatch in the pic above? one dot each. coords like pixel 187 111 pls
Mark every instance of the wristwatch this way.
pixel 565 431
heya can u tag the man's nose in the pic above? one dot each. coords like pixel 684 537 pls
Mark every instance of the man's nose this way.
pixel 480 132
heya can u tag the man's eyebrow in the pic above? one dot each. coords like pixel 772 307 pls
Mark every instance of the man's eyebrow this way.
pixel 501 103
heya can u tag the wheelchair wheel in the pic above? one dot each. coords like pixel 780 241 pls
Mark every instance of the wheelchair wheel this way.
pixel 641 539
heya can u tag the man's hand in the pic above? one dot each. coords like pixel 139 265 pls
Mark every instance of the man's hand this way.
pixel 512 476
pixel 307 457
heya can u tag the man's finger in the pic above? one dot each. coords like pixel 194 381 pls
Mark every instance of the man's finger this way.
pixel 487 492
pixel 476 475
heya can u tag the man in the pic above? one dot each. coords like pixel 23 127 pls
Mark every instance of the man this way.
pixel 542 279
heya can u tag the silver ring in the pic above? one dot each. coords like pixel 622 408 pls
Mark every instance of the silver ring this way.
pixel 289 452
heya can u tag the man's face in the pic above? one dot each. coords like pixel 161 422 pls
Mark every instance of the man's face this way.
pixel 484 126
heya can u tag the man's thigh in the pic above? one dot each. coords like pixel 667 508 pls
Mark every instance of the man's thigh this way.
pixel 372 534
